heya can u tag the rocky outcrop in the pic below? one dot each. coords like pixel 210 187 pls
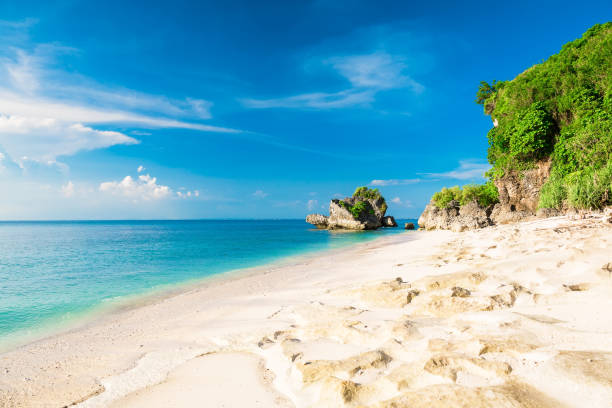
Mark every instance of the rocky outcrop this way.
pixel 354 213
pixel 340 216
pixel 506 214
pixel 455 217
pixel 519 194
pixel 409 226
pixel 389 221
pixel 318 220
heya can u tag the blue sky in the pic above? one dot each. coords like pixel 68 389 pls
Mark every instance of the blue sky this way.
pixel 243 109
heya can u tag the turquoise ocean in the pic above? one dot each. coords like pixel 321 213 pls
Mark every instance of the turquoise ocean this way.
pixel 52 273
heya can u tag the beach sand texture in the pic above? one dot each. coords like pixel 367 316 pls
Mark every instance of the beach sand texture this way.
pixel 515 315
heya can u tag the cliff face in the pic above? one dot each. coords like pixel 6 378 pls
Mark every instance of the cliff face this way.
pixel 519 194
pixel 455 217
pixel 521 190
pixel 550 147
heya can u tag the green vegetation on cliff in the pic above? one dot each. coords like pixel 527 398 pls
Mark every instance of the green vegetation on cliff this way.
pixel 358 208
pixel 372 194
pixel 485 194
pixel 361 205
pixel 559 110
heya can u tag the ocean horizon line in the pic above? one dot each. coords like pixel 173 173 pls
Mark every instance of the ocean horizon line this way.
pixel 163 219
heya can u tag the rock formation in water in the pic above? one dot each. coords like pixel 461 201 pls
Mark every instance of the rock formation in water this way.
pixel 389 221
pixel 318 220
pixel 365 210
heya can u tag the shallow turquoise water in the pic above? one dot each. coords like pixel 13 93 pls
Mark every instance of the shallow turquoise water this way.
pixel 51 272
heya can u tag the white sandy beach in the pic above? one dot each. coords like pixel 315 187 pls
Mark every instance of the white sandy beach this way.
pixel 509 316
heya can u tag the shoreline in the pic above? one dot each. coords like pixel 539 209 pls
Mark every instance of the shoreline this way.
pixel 339 330
pixel 110 308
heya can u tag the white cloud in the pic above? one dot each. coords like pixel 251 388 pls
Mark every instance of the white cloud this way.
pixel 394 182
pixel 260 194
pixel 318 100
pixel 379 70
pixel 68 189
pixel 468 169
pixel 44 139
pixel 22 71
pixel 32 74
pixel 128 99
pixel 312 204
pixel 140 133
pixel 187 194
pixel 41 107
pixel 140 169
pixel 368 75
pixel 46 112
pixel 200 107
pixel 400 202
pixel 144 187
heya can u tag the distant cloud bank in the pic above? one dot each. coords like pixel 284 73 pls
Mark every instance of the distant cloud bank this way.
pixel 144 187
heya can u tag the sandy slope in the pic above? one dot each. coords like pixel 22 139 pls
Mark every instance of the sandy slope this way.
pixel 510 316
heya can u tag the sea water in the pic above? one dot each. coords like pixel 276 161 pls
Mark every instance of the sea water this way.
pixel 54 272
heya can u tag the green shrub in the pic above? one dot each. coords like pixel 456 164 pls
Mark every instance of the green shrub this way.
pixel 365 192
pixel 358 208
pixel 371 193
pixel 519 142
pixel 553 194
pixel 443 197
pixel 590 188
pixel 485 194
pixel 584 189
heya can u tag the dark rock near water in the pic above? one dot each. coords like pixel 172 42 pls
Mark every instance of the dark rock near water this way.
pixel 389 221
pixel 409 226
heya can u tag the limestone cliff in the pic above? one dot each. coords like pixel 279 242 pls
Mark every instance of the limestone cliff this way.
pixel 455 217
pixel 519 193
